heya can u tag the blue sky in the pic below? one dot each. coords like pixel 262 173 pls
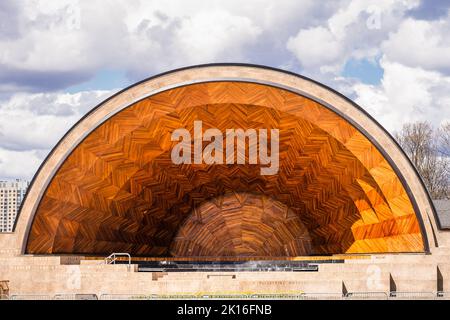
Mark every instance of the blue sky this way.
pixel 104 79
pixel 58 59
pixel 366 71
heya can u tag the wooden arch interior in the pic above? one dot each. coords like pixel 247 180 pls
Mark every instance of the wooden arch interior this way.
pixel 119 191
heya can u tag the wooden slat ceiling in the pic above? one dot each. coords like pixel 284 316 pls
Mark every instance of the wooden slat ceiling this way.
pixel 120 192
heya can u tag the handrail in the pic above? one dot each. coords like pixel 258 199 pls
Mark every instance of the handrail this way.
pixel 409 295
pixel 322 296
pixel 363 295
pixel 30 297
pixel 116 296
pixel 252 296
pixel 111 259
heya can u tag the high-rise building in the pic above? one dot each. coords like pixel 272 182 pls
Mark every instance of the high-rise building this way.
pixel 11 196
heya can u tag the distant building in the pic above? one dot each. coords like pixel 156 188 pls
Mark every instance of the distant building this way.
pixel 11 196
pixel 443 212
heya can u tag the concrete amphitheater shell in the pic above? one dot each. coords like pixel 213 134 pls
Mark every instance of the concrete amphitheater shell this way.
pixel 344 186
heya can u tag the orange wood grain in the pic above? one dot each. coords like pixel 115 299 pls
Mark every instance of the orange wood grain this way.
pixel 119 190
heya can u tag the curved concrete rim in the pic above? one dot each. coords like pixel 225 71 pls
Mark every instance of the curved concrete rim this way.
pixel 298 84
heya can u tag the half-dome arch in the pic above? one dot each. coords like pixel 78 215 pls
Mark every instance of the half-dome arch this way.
pixel 343 185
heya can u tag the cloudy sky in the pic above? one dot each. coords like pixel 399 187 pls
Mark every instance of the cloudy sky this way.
pixel 59 58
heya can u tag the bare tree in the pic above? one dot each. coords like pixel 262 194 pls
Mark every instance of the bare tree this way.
pixel 426 149
pixel 444 139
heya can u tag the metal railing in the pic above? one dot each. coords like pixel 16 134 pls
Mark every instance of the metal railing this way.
pixel 268 296
pixel 321 296
pixel 405 295
pixel 443 295
pixel 366 296
pixel 64 296
pixel 30 297
pixel 75 296
pixel 254 296
pixel 125 297
pixel 112 258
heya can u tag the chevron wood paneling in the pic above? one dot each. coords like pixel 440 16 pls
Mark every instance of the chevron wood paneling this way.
pixel 119 190
pixel 242 224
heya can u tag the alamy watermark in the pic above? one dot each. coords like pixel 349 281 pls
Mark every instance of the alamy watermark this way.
pixel 73 277
pixel 235 147
pixel 373 22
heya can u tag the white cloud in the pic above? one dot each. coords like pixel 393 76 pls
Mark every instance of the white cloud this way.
pixel 19 164
pixel 38 121
pixel 51 45
pixel 204 37
pixel 46 46
pixel 406 94
pixel 32 124
pixel 354 31
pixel 414 54
pixel 217 34
pixel 418 43
pixel 316 47
pixel 75 39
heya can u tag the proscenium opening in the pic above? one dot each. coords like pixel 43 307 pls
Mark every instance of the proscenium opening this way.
pixel 119 191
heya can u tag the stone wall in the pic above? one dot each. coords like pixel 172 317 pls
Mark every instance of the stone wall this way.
pixel 382 273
